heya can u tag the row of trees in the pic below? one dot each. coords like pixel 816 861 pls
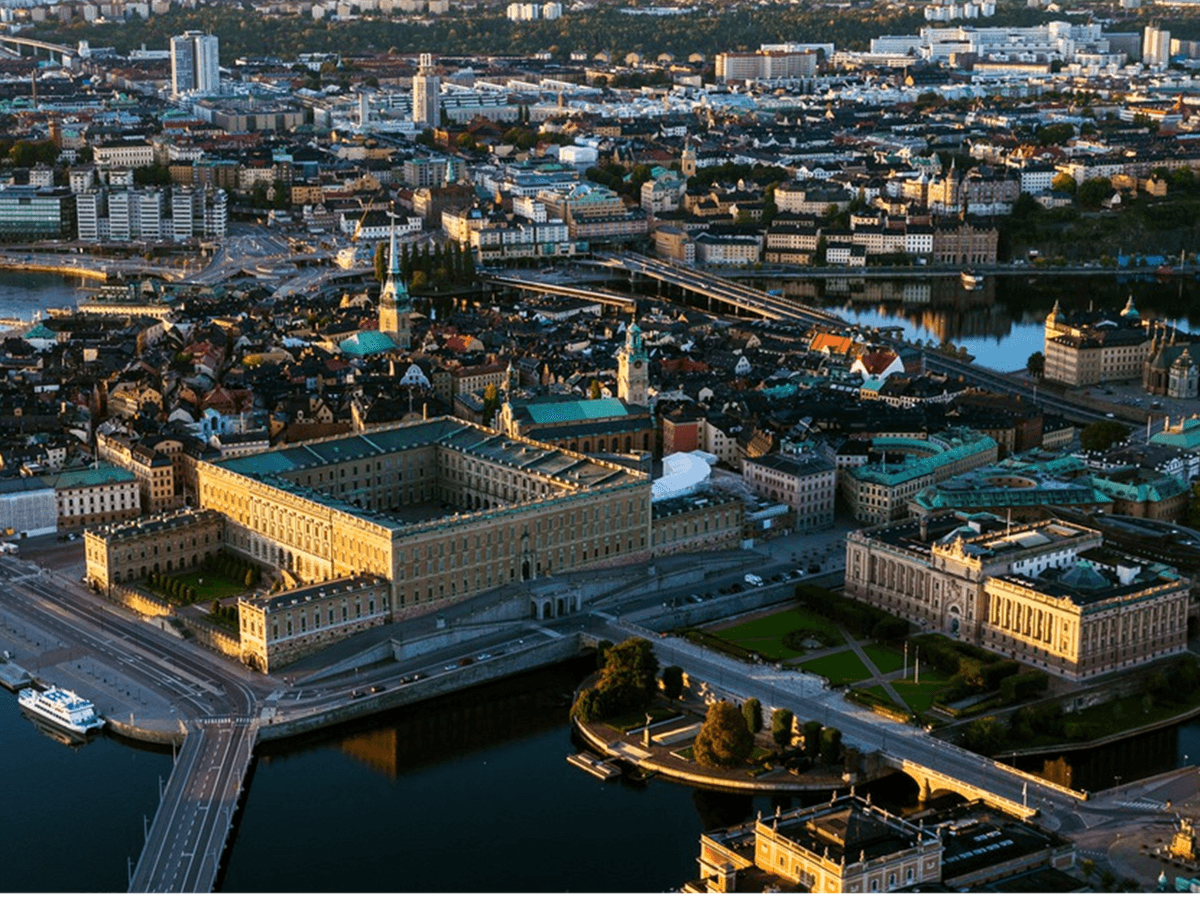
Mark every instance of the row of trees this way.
pixel 1166 686
pixel 174 589
pixel 727 736
pixel 445 266
pixel 235 569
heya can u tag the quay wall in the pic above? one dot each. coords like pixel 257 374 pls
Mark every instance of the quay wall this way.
pixel 394 697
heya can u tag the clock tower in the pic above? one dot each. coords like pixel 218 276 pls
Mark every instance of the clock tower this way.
pixel 633 376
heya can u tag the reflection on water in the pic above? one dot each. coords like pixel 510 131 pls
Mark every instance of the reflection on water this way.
pixel 471 793
pixel 1000 324
pixel 1120 761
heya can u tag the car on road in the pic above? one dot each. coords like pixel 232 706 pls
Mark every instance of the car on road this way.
pixel 355 693
pixel 450 667
pixel 378 688
pixel 482 656
pixel 465 661
pixel 754 580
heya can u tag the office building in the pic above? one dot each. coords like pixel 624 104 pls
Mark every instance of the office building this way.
pixel 427 87
pixel 195 63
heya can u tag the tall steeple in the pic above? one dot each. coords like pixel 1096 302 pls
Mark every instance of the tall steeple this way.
pixel 633 376
pixel 395 307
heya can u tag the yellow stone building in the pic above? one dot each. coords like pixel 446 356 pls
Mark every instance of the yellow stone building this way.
pixel 1048 594
pixel 442 509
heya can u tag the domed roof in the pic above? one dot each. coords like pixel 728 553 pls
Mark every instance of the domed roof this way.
pixel 1130 311
pixel 1083 577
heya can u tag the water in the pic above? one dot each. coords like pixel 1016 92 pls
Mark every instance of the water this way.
pixel 72 815
pixel 467 794
pixel 26 295
pixel 1000 325
pixel 1121 761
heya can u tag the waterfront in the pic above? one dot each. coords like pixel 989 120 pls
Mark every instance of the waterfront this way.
pixel 74 813
pixel 999 325
pixel 470 794
pixel 1121 761
pixel 26 295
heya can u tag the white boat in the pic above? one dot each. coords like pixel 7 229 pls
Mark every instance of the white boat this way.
pixel 63 708
pixel 971 280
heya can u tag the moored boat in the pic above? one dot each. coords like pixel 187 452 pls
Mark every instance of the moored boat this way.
pixel 62 708
pixel 971 280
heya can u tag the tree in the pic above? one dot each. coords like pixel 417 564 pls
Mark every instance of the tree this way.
pixel 595 391
pixel 781 726
pixel 831 746
pixel 216 607
pixel 1094 192
pixel 1102 435
pixel 1063 182
pixel 249 579
pixel 723 739
pixel 381 263
pixel 1036 364
pixel 672 681
pixel 812 737
pixel 627 681
pixel 985 735
pixel 752 712
pixel 491 403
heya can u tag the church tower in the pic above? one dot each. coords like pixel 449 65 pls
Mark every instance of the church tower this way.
pixel 687 160
pixel 633 375
pixel 395 308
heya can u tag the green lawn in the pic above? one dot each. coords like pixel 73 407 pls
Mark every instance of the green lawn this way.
pixel 208 585
pixel 920 696
pixel 839 668
pixel 765 636
pixel 887 659
pixel 1113 717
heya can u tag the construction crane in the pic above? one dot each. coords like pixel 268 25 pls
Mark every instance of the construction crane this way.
pixel 366 210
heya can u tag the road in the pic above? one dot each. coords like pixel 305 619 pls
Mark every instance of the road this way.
pixel 805 695
pixel 192 825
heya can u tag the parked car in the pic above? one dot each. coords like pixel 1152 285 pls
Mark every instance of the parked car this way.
pixel 754 580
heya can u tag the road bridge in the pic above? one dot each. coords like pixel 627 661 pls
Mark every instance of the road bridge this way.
pixel 721 292
pixel 943 766
pixel 622 302
pixel 749 301
pixel 191 828
pixel 15 44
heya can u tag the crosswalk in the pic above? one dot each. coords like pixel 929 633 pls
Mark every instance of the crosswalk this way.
pixel 1151 805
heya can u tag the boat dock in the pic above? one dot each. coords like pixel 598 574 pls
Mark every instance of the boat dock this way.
pixel 14 677
pixel 602 769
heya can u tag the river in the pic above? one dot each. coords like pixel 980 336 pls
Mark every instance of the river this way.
pixel 1000 325
pixel 26 295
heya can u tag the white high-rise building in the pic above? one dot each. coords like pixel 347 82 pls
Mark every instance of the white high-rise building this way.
pixel 1156 47
pixel 195 63
pixel 427 87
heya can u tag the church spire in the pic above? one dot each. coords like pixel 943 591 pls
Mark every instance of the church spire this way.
pixel 395 308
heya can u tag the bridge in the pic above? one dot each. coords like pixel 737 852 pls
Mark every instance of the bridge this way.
pixel 13 44
pixel 751 302
pixel 722 293
pixel 943 766
pixel 191 828
pixel 622 302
